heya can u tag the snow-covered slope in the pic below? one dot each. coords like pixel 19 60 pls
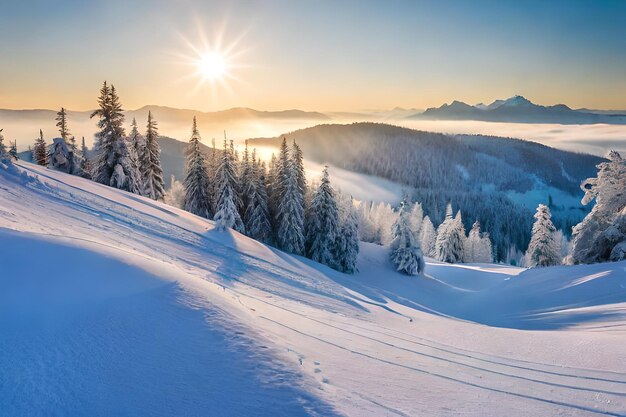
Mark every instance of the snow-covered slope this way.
pixel 111 304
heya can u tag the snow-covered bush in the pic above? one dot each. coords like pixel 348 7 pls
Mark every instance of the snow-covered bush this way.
pixel 600 236
pixel 545 247
pixel 405 252
pixel 175 195
pixel 450 238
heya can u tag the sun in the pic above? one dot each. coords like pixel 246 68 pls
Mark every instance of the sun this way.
pixel 215 65
pixel 212 66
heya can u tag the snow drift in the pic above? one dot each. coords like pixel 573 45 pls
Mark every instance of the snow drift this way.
pixel 111 303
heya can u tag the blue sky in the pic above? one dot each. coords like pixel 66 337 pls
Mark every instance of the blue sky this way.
pixel 314 55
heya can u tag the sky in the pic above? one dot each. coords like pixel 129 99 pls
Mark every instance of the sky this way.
pixel 313 55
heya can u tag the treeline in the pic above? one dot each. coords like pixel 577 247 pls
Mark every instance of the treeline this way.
pixel 273 204
pixel 127 162
pixel 474 173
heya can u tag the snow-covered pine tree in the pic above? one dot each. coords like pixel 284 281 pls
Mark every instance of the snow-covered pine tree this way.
pixel 196 184
pixel 601 237
pixel 153 185
pixel 477 246
pixel 125 175
pixel 136 147
pixel 246 181
pixel 71 144
pixel 272 196
pixel 450 236
pixel 416 218
pixel 346 246
pixel 291 215
pixel 323 222
pixel 405 252
pixel 111 165
pixel 40 151
pixel 485 252
pixel 61 120
pixel 13 150
pixel 85 162
pixel 213 164
pixel 428 237
pixel 283 170
pixel 59 156
pixel 257 216
pixel 543 249
pixel 3 149
pixel 227 214
pixel 298 162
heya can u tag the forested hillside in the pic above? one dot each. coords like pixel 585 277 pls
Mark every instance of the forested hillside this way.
pixel 475 173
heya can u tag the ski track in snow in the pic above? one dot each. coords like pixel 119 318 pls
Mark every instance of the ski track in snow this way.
pixel 372 344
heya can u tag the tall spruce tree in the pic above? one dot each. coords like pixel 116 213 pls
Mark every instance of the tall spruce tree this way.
pixel 601 235
pixel 346 245
pixel 3 149
pixel 197 192
pixel 428 237
pixel 544 249
pixel 405 252
pixel 112 166
pixel 136 147
pixel 450 237
pixel 61 120
pixel 283 170
pixel 13 150
pixel 85 161
pixel 323 222
pixel 257 216
pixel 298 163
pixel 150 162
pixel 227 213
pixel 40 151
pixel 291 215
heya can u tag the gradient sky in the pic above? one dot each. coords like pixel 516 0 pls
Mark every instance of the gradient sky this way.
pixel 314 55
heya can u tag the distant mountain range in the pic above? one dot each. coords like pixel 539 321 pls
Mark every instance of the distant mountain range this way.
pixel 518 109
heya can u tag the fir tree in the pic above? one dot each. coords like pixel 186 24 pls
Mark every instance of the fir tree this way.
pixel 257 217
pixel 150 161
pixel 13 150
pixel 60 157
pixel 196 184
pixel 323 222
pixel 61 120
pixel 544 249
pixel 3 150
pixel 112 166
pixel 450 236
pixel 283 170
pixel 477 246
pixel 298 163
pixel 405 252
pixel 136 148
pixel 291 215
pixel 273 199
pixel 85 162
pixel 213 164
pixel 416 217
pixel 227 214
pixel 40 151
pixel 600 237
pixel 245 180
pixel 346 245
pixel 428 237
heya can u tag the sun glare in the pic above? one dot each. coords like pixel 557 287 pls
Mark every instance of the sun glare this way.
pixel 214 62
pixel 212 66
